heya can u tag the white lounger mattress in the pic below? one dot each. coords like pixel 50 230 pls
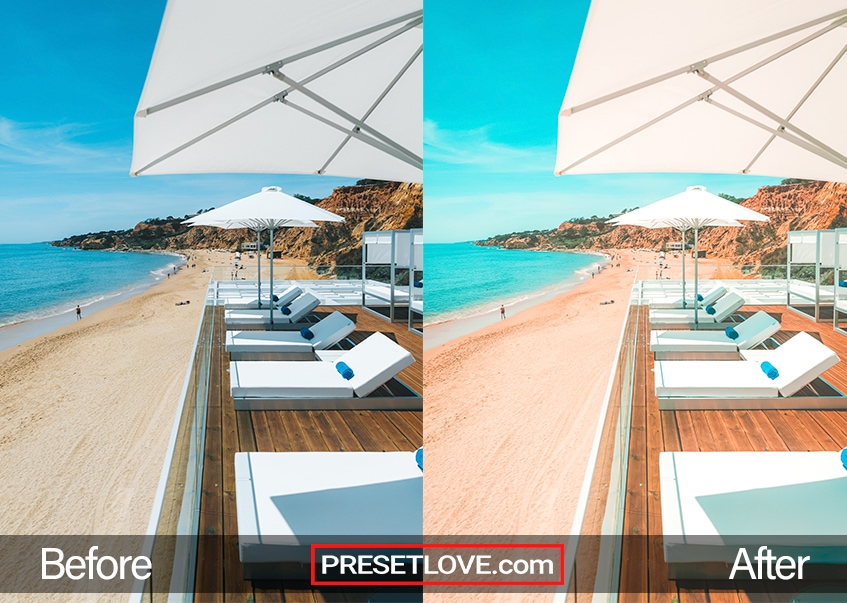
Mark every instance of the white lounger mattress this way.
pixel 328 331
pixel 751 332
pixel 284 497
pixel 708 497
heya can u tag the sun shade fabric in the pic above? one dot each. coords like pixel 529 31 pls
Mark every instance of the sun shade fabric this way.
pixel 272 116
pixel 700 118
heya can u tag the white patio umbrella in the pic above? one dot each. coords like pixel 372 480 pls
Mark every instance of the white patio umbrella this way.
pixel 715 87
pixel 270 209
pixel 693 209
pixel 285 87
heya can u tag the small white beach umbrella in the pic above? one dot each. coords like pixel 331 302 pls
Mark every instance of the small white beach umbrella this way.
pixel 693 209
pixel 265 86
pixel 270 209
pixel 722 86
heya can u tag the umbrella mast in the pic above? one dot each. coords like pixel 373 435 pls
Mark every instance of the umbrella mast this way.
pixel 272 278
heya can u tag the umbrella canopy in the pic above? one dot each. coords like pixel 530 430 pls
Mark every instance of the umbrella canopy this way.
pixel 717 87
pixel 693 209
pixel 269 209
pixel 285 87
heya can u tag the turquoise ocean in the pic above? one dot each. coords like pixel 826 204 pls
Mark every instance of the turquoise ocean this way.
pixel 464 280
pixel 38 280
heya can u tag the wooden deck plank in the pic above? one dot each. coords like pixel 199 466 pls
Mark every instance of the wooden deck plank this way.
pixel 219 571
pixel 713 430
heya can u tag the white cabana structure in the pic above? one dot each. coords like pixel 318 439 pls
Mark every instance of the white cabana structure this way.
pixel 720 87
pixel 810 262
pixel 389 257
pixel 416 280
pixel 282 87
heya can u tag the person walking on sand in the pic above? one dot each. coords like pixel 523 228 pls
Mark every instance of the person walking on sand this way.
pixel 502 312
pixel 78 313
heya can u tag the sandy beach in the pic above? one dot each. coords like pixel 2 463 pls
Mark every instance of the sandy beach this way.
pixel 512 409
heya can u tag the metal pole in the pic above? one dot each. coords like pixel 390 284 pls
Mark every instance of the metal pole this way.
pixel 817 275
pixel 696 265
pixel 684 303
pixel 272 278
pixel 259 264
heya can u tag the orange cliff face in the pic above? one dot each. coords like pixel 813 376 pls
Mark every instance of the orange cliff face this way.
pixel 806 206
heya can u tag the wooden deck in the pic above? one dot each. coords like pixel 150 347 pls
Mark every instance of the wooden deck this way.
pixel 219 572
pixel 643 576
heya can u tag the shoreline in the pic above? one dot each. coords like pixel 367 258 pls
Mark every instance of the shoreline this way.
pixel 19 331
pixel 446 330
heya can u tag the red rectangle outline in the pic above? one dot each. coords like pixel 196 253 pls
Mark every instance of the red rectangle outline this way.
pixel 560 547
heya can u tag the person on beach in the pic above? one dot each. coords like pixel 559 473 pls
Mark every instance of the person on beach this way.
pixel 78 313
pixel 502 312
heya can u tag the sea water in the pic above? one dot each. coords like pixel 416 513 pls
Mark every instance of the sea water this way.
pixel 39 281
pixel 464 279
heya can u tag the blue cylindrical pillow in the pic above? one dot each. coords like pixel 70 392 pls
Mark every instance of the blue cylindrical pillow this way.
pixel 710 309
pixel 731 333
pixel 307 334
pixel 344 370
pixel 286 310
pixel 844 458
pixel 276 298
pixel 770 370
pixel 419 284
pixel 419 457
pixel 699 297
pixel 842 283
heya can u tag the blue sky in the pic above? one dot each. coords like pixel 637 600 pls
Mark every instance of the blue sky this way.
pixel 72 76
pixel 495 76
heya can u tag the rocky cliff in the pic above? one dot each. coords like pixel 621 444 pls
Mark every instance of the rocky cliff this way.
pixel 367 206
pixel 790 206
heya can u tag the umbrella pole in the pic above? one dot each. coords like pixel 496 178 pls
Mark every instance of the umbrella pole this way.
pixel 684 302
pixel 272 279
pixel 696 265
pixel 259 263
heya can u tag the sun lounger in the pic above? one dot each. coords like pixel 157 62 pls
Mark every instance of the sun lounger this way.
pixel 724 308
pixel 287 500
pixel 715 502
pixel 298 309
pixel 709 298
pixel 292 385
pixel 251 345
pixel 749 333
pixel 711 384
pixel 251 301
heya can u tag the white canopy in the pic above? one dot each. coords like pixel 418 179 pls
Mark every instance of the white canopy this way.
pixel 285 87
pixel 269 209
pixel 694 208
pixel 722 87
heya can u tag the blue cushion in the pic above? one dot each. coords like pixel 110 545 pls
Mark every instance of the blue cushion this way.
pixel 731 333
pixel 770 370
pixel 345 370
pixel 307 334
pixel 699 297
pixel 843 457
pixel 276 298
pixel 419 284
pixel 419 457
pixel 842 283
pixel 710 309
pixel 286 310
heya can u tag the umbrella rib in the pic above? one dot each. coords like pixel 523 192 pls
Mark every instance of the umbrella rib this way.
pixel 373 107
pixel 631 133
pixel 785 124
pixel 417 163
pixel 205 135
pixel 782 134
pixel 347 116
pixel 277 64
pixel 803 100
pixel 687 69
